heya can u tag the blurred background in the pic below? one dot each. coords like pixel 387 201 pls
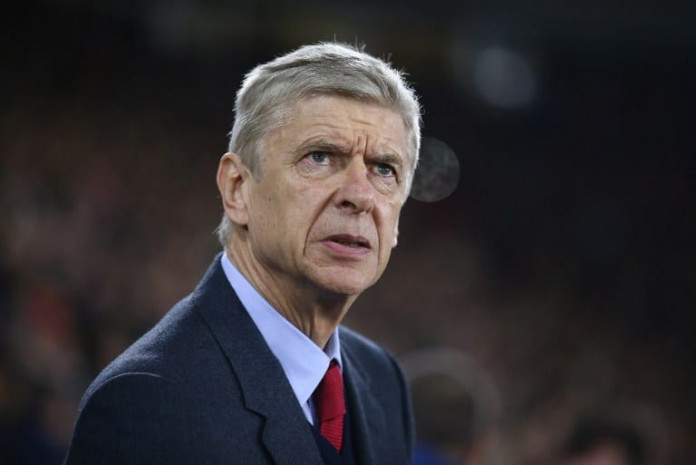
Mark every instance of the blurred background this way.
pixel 560 266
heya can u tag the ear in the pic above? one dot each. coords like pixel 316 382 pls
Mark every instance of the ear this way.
pixel 232 179
pixel 396 234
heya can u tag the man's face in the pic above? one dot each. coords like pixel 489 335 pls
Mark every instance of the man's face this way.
pixel 323 212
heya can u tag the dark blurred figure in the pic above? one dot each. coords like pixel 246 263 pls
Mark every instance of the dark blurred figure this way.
pixel 605 440
pixel 455 407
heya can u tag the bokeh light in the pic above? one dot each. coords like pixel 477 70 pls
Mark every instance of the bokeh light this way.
pixel 437 175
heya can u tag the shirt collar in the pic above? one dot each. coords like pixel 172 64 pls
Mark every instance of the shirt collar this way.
pixel 303 362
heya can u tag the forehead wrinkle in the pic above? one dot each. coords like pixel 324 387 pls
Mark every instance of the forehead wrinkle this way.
pixel 327 143
pixel 387 151
pixel 314 125
pixel 376 149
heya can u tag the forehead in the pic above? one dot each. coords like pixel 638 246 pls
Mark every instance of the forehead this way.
pixel 336 117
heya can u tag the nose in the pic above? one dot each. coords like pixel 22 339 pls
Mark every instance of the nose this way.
pixel 355 193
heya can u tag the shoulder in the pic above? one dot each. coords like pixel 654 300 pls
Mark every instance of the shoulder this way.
pixel 378 383
pixel 182 341
pixel 143 407
pixel 370 358
pixel 160 349
pixel 175 379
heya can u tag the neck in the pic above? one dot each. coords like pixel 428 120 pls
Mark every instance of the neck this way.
pixel 314 311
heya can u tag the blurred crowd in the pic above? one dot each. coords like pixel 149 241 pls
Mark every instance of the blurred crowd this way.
pixel 94 249
pixel 102 233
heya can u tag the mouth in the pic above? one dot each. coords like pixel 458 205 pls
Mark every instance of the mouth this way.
pixel 348 240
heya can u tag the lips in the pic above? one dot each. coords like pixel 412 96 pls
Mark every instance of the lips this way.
pixel 348 240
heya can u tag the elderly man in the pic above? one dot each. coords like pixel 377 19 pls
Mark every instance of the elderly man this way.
pixel 253 367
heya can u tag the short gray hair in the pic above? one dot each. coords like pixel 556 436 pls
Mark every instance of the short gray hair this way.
pixel 328 68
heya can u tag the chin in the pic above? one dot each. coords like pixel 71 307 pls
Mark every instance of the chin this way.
pixel 352 283
pixel 345 288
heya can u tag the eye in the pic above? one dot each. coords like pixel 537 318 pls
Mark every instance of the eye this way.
pixel 320 158
pixel 385 170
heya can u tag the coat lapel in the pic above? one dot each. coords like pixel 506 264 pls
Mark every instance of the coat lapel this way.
pixel 286 434
pixel 367 414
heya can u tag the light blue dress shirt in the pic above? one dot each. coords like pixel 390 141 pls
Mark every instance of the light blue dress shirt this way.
pixel 303 362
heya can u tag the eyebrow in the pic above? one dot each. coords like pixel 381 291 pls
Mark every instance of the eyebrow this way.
pixel 323 144
pixel 389 158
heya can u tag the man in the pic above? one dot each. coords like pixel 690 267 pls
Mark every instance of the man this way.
pixel 455 406
pixel 253 367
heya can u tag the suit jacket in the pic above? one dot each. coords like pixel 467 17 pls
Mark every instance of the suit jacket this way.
pixel 202 387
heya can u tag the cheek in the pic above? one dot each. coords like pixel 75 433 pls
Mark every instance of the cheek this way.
pixel 296 211
pixel 389 227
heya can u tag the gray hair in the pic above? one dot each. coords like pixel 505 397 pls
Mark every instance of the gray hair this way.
pixel 271 89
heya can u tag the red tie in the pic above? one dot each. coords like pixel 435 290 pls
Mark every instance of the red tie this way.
pixel 331 405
